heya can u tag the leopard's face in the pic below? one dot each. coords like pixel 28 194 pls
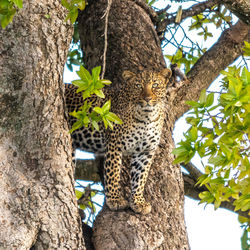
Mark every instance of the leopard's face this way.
pixel 147 89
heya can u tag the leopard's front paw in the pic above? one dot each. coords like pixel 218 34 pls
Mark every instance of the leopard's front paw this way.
pixel 117 204
pixel 141 207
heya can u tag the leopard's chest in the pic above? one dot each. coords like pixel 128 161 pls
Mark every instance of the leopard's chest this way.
pixel 141 136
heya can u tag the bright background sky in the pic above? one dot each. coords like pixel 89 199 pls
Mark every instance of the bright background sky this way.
pixel 207 229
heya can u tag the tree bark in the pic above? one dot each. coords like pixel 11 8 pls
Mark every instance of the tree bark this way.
pixel 37 201
pixel 134 45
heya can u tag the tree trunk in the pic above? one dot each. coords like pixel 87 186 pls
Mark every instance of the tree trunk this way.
pixel 37 200
pixel 134 45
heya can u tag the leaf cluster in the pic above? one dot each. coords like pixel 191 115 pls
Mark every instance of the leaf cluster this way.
pixel 220 17
pixel 187 50
pixel 187 59
pixel 85 197
pixel 8 9
pixel 88 85
pixel 72 6
pixel 220 131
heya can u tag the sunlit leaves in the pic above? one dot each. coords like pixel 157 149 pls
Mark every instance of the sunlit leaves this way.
pixel 86 115
pixel 246 49
pixel 72 6
pixel 220 131
pixel 219 17
pixel 8 10
pixel 84 198
pixel 185 58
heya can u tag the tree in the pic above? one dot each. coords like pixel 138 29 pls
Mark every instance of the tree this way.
pixel 37 204
pixel 134 33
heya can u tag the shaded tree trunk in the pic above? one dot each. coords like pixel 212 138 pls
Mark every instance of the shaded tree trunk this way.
pixel 37 200
pixel 134 45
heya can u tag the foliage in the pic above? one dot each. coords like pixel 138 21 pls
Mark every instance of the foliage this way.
pixel 220 132
pixel 75 55
pixel 87 115
pixel 188 51
pixel 86 196
pixel 245 240
pixel 8 9
pixel 72 6
pixel 187 59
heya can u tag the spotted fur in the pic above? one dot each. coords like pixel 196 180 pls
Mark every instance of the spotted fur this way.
pixel 141 107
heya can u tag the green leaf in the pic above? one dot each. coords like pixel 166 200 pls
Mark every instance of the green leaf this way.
pixel 245 76
pixel 202 98
pixel 81 84
pixel 7 18
pixel 65 4
pixel 179 151
pixel 98 110
pixel 217 204
pixel 84 74
pixel 193 104
pixel 113 118
pixel 83 207
pixel 106 106
pixel 78 194
pixel 218 160
pixel 95 125
pixel 99 93
pixel 96 72
pixel 82 4
pixel 18 3
pixel 73 14
pixel 206 197
pixel 246 49
pixel 106 82
pixel 245 240
pixel 193 133
pixel 210 100
pixel 78 124
pixel 86 94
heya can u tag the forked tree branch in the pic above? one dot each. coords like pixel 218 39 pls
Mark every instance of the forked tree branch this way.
pixel 227 49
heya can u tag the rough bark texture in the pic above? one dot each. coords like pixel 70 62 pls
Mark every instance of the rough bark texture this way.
pixel 37 201
pixel 133 44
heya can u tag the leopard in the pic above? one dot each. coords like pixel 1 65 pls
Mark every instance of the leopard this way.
pixel 140 105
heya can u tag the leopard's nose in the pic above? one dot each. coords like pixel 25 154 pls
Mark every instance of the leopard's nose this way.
pixel 148 98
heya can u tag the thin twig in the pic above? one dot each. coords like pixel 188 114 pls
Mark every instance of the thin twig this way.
pixel 106 15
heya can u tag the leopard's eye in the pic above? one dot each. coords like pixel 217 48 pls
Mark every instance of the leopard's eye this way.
pixel 138 86
pixel 155 85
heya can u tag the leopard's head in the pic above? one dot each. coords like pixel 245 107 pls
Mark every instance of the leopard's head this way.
pixel 147 88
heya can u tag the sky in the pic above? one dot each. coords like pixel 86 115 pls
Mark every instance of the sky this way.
pixel 207 229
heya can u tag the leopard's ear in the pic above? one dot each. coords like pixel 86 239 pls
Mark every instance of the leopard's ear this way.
pixel 166 73
pixel 127 75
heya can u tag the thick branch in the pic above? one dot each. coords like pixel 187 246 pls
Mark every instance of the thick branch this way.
pixel 227 49
pixel 193 170
pixel 192 11
pixel 241 8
